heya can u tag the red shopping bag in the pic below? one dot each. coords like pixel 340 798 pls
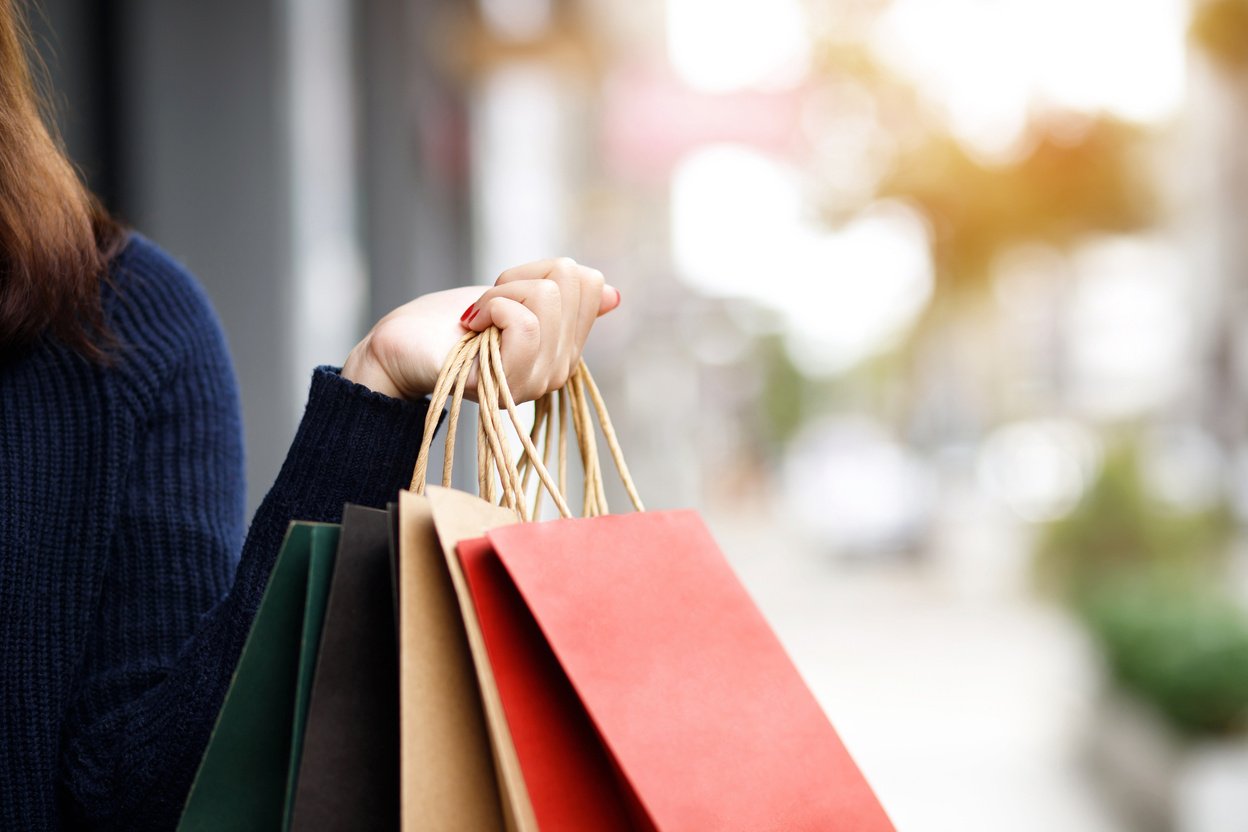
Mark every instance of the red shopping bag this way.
pixel 567 773
pixel 643 688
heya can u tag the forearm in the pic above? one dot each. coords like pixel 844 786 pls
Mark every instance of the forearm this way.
pixel 353 445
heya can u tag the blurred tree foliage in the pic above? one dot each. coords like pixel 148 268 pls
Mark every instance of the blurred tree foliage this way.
pixel 1076 174
pixel 1143 578
pixel 1075 180
pixel 1120 530
pixel 1220 28
pixel 785 402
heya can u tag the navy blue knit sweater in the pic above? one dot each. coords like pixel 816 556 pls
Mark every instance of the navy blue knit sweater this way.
pixel 126 589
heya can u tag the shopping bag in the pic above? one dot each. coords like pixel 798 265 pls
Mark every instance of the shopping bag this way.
pixel 246 775
pixel 448 775
pixel 704 718
pixel 348 773
pixel 448 770
pixel 569 779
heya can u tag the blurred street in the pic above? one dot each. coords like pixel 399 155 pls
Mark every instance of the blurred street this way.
pixel 938 311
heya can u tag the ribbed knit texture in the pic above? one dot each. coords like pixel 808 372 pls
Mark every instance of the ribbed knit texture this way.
pixel 126 588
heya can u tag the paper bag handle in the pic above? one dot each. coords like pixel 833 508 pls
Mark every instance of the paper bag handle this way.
pixel 493 455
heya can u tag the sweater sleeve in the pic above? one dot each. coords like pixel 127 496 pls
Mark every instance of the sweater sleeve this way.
pixel 159 665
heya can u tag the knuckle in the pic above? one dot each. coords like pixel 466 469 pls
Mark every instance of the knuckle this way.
pixel 593 278
pixel 530 327
pixel 546 291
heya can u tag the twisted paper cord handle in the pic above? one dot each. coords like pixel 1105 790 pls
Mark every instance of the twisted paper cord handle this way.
pixel 493 454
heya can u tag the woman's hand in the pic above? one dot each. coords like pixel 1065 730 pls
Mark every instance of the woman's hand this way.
pixel 544 309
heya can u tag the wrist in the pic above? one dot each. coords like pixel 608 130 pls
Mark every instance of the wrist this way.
pixel 363 368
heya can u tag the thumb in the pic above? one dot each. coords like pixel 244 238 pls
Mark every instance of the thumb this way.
pixel 610 300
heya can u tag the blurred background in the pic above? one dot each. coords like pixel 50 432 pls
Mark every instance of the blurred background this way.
pixel 934 308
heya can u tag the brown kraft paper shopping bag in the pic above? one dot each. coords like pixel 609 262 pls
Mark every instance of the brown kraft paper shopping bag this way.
pixel 458 516
pixel 449 773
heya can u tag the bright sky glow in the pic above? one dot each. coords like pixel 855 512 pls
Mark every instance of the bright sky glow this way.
pixel 1128 327
pixel 1040 468
pixel 723 45
pixel 740 228
pixel 986 62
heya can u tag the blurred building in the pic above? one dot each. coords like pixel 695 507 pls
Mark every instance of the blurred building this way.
pixel 307 161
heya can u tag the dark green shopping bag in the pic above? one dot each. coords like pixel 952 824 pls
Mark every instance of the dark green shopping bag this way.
pixel 247 775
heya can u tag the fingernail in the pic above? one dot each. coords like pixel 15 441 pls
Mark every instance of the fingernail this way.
pixel 467 312
pixel 474 316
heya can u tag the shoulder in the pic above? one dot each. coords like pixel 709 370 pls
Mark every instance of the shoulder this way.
pixel 149 294
pixel 161 317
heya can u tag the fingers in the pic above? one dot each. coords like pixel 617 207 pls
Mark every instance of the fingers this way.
pixel 529 334
pixel 536 270
pixel 580 289
pixel 588 306
pixel 560 300
pixel 569 278
pixel 540 269
pixel 610 299
pixel 542 297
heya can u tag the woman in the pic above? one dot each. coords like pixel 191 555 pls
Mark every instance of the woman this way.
pixel 126 587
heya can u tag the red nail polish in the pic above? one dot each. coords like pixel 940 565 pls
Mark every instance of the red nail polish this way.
pixel 467 312
pixel 474 316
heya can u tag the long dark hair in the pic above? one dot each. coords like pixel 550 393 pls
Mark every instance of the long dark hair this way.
pixel 55 238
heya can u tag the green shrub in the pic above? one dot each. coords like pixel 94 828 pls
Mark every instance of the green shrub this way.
pixel 1183 649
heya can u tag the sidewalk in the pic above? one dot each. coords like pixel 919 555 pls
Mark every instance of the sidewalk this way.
pixel 965 714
